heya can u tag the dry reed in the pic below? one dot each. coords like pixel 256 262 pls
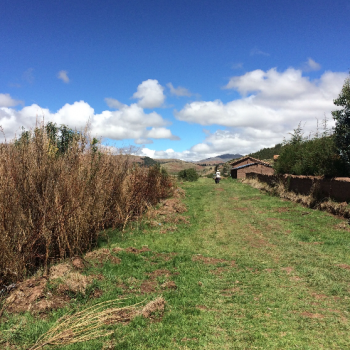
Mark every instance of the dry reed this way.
pixel 86 325
pixel 53 206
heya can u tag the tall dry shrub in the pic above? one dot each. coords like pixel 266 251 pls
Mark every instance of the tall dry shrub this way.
pixel 53 204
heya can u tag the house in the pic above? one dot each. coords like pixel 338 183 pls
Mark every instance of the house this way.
pixel 250 165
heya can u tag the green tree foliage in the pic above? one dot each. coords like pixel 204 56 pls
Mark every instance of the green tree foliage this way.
pixel 267 153
pixel 316 156
pixel 342 119
pixel 226 169
pixel 188 175
pixel 147 161
pixel 61 138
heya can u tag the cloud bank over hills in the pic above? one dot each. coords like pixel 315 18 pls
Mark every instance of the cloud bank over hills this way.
pixel 270 105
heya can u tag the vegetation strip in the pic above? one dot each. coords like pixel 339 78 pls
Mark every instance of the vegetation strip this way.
pixel 272 276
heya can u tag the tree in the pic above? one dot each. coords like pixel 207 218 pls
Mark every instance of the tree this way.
pixel 311 156
pixel 61 138
pixel 226 169
pixel 342 122
pixel 267 153
pixel 147 161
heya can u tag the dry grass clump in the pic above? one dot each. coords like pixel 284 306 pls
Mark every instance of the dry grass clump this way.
pixel 53 204
pixel 91 323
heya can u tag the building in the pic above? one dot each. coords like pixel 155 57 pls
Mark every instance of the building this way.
pixel 250 165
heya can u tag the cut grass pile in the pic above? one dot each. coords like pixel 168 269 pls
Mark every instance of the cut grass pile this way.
pixel 245 270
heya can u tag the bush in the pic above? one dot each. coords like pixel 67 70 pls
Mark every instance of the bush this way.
pixel 54 200
pixel 188 175
pixel 307 156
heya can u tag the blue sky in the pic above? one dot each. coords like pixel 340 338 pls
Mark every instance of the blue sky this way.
pixel 178 79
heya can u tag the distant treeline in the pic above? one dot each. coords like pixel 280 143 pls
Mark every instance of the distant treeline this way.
pixel 267 153
pixel 209 164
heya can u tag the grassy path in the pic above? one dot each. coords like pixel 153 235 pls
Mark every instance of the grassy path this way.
pixel 252 272
pixel 289 287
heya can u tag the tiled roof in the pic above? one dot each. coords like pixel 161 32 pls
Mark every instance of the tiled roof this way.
pixel 250 164
pixel 253 159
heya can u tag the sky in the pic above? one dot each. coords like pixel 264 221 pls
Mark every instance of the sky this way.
pixel 187 79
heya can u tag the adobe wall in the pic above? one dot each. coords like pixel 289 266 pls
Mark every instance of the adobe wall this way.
pixel 337 188
pixel 257 169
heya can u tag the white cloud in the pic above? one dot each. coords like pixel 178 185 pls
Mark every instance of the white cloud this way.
pixel 150 94
pixel 255 51
pixel 63 75
pixel 28 76
pixel 179 91
pixel 272 104
pixel 238 65
pixel 161 133
pixel 127 122
pixel 113 103
pixel 241 141
pixel 271 100
pixel 7 101
pixel 310 65
pixel 167 154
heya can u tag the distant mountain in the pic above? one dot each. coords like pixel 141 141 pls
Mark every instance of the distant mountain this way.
pixel 219 159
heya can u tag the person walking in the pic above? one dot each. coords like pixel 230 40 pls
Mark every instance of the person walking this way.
pixel 217 177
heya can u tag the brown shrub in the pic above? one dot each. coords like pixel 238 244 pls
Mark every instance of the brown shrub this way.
pixel 54 205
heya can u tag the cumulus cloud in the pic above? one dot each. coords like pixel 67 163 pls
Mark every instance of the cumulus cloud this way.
pixel 7 101
pixel 150 94
pixel 127 122
pixel 179 91
pixel 310 65
pixel 113 103
pixel 240 141
pixel 167 154
pixel 271 105
pixel 270 100
pixel 63 75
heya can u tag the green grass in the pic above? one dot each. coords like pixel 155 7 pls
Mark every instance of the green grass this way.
pixel 285 290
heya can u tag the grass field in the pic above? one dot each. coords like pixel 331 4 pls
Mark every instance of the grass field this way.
pixel 249 271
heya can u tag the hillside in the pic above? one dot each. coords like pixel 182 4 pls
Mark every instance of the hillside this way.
pixel 219 159
pixel 173 166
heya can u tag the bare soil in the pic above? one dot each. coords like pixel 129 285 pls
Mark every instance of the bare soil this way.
pixel 32 295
